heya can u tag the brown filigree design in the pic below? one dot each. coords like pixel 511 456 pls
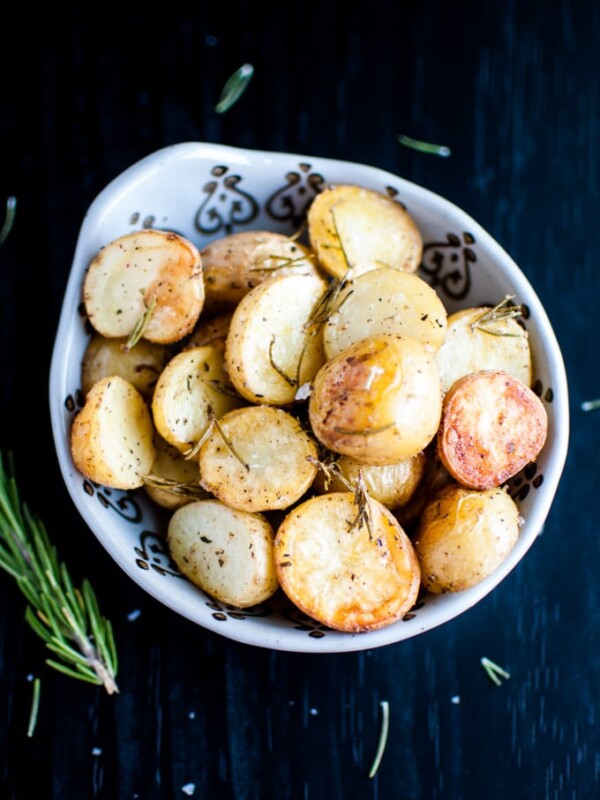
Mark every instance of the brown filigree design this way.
pixel 153 553
pixel 290 203
pixel 225 205
pixel 528 478
pixel 447 265
pixel 125 505
pixel 302 622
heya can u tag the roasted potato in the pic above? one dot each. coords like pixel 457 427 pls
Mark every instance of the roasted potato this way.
pixel 140 365
pixel 385 300
pixel 258 458
pixel 112 436
pixel 358 229
pixel 236 263
pixel 464 535
pixel 492 426
pixel 484 338
pixel 210 331
pixel 147 284
pixel 272 349
pixel 348 572
pixel 225 552
pixel 173 480
pixel 379 401
pixel 191 389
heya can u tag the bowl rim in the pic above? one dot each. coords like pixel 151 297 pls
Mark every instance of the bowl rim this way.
pixel 556 453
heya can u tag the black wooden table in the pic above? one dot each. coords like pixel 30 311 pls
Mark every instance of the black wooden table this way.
pixel 514 91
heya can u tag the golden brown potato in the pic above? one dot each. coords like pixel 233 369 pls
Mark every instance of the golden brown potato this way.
pixel 272 350
pixel 226 553
pixel 191 389
pixel 385 300
pixel 341 571
pixel 352 227
pixel 173 480
pixel 210 331
pixel 258 458
pixel 391 484
pixel 379 401
pixel 492 426
pixel 147 279
pixel 236 263
pixel 141 365
pixel 464 535
pixel 481 338
pixel 112 437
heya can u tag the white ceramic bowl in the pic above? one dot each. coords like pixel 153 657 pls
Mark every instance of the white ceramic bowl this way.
pixel 205 191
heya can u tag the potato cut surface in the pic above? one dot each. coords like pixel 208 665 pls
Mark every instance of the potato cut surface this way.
pixel 149 271
pixel 351 227
pixel 378 401
pixel 141 365
pixel 193 386
pixel 112 437
pixel 464 535
pixel 271 348
pixel 173 480
pixel 385 300
pixel 340 574
pixel 476 341
pixel 226 553
pixel 257 459
pixel 492 426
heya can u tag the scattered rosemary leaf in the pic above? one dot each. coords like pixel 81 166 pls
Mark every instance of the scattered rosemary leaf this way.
pixel 67 620
pixel 234 88
pixel 590 405
pixel 424 147
pixel 383 735
pixel 493 671
pixel 11 208
pixel 35 704
pixel 140 326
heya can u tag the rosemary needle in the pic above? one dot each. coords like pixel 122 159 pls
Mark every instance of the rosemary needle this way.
pixel 234 88
pixel 494 671
pixel 11 207
pixel 383 735
pixel 35 704
pixel 424 147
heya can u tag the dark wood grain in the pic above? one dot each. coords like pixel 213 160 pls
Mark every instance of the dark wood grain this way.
pixel 514 90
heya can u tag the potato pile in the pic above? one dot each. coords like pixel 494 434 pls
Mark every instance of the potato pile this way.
pixel 308 413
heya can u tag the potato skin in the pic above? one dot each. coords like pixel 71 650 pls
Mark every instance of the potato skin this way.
pixel 492 426
pixel 140 365
pixel 464 535
pixel 225 552
pixel 379 401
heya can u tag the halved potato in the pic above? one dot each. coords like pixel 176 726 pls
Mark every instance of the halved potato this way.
pixel 210 331
pixel 148 279
pixel 141 365
pixel 379 401
pixel 464 535
pixel 492 426
pixel 477 338
pixel 191 389
pixel 236 263
pixel 112 437
pixel 352 227
pixel 391 484
pixel 272 349
pixel 226 553
pixel 173 480
pixel 385 300
pixel 341 571
pixel 258 458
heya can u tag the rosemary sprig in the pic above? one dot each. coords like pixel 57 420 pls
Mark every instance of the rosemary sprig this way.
pixel 174 487
pixel 284 261
pixel 493 671
pixel 234 87
pixel 140 326
pixel 279 370
pixel 383 736
pixel 67 619
pixel 424 147
pixel 362 501
pixel 212 425
pixel 500 312
pixel 11 208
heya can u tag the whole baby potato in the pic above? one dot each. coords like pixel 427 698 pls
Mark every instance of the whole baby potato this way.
pixel 378 401
pixel 464 535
